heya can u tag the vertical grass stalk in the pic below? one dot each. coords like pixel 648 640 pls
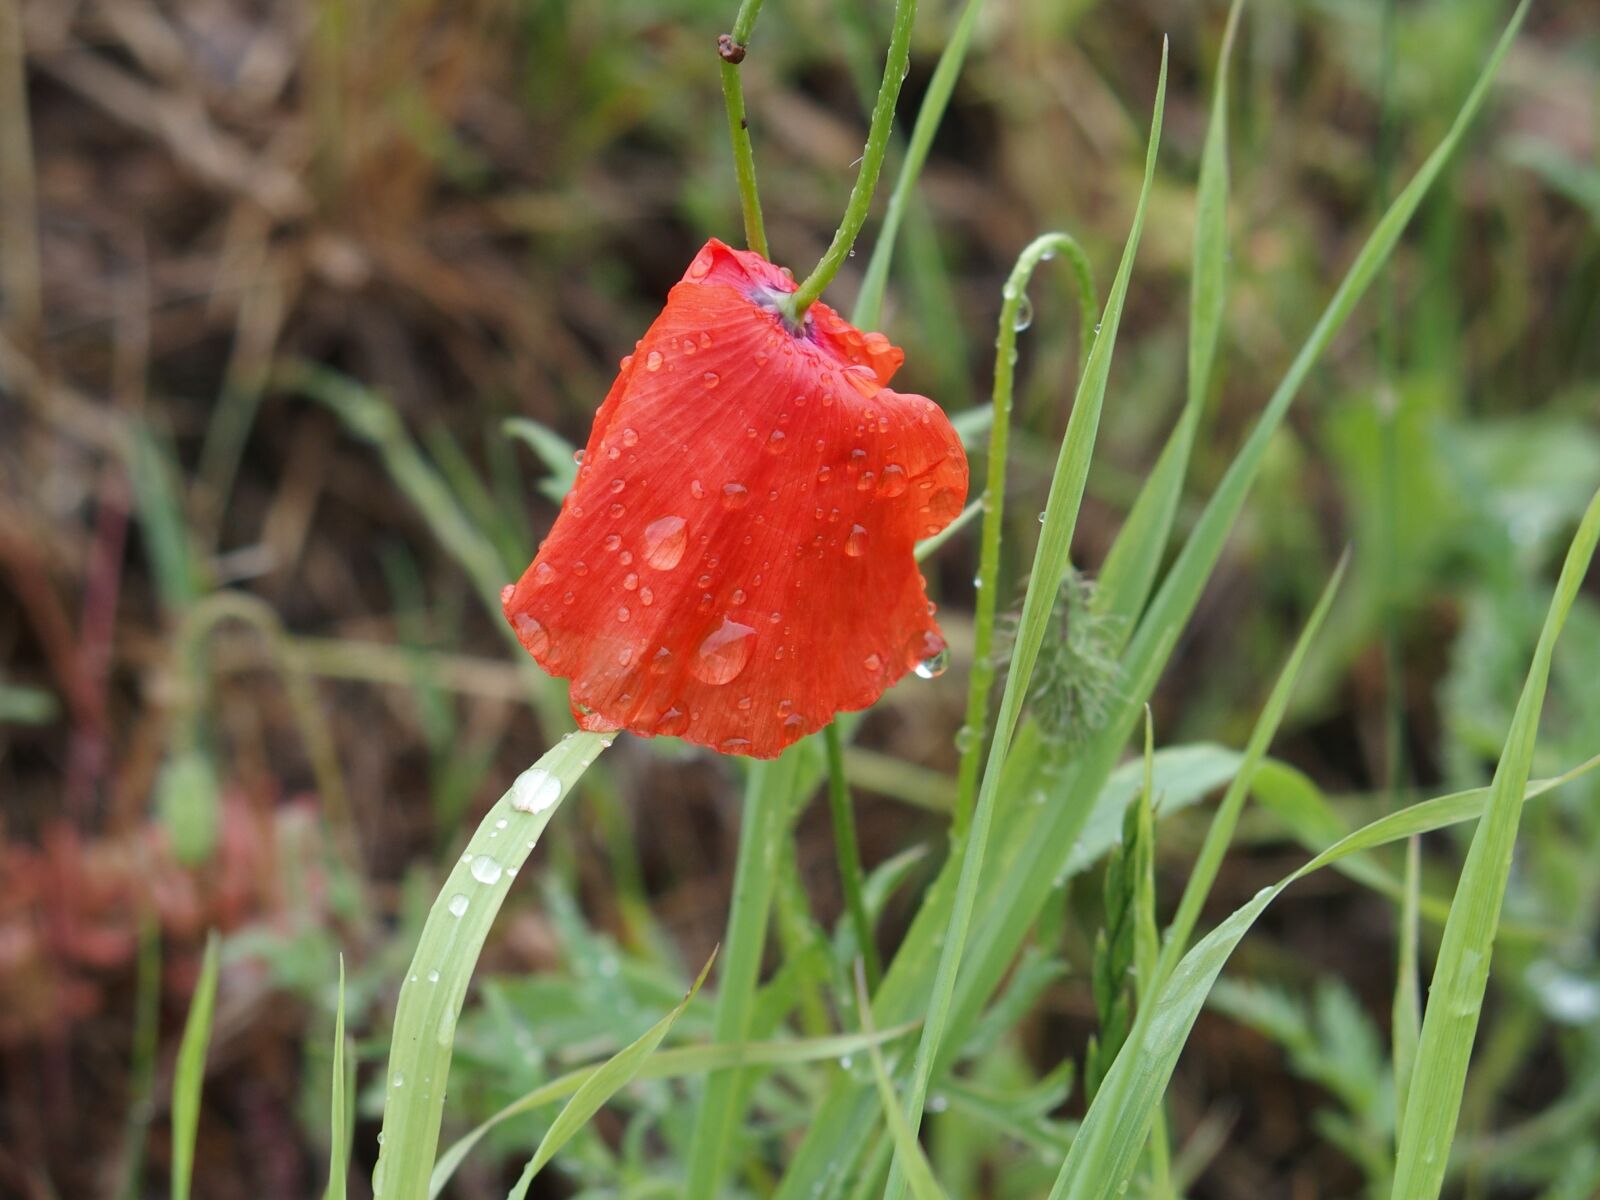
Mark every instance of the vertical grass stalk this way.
pixel 732 47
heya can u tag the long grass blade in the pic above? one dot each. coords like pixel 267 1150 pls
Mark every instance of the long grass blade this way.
pixel 1113 1131
pixel 675 1063
pixel 768 811
pixel 1130 568
pixel 452 937
pixel 603 1083
pixel 1209 861
pixel 908 1153
pixel 339 1106
pixel 189 1078
pixel 1050 564
pixel 1461 973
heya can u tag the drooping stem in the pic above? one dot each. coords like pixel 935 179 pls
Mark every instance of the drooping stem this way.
pixel 844 841
pixel 855 213
pixel 731 47
pixel 1014 295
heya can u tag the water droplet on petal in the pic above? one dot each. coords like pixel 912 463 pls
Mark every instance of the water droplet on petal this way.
pixel 630 437
pixel 697 489
pixel 872 662
pixel 577 456
pixel 701 265
pixel 652 361
pixel 543 575
pixel 664 542
pixel 856 544
pixel 866 481
pixel 630 582
pixel 660 661
pixel 673 722
pixel 927 654
pixel 777 443
pixel 711 379
pixel 507 592
pixel 531 634
pixel 735 496
pixel 894 482
pixel 724 653
pixel 622 613
pixel 734 745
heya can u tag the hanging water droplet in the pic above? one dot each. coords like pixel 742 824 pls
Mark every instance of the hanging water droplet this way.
pixel 724 653
pixel 577 456
pixel 458 905
pixel 966 738
pixel 1024 316
pixel 485 869
pixel 535 790
pixel 531 634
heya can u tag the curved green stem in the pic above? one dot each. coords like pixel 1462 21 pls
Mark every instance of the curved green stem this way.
pixel 844 840
pixel 994 498
pixel 744 159
pixel 855 213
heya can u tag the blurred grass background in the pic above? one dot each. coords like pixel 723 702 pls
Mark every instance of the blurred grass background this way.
pixel 274 275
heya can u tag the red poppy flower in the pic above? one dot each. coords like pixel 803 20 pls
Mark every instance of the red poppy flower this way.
pixel 734 564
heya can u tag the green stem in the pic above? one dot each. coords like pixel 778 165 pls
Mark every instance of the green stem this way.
pixel 744 159
pixel 768 807
pixel 855 213
pixel 1014 295
pixel 869 304
pixel 844 840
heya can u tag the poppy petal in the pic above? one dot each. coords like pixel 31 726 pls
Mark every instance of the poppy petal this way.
pixel 734 563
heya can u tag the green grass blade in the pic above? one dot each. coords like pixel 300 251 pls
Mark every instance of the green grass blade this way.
pixel 338 1107
pixel 189 1077
pixel 1113 1131
pixel 553 450
pixel 1050 564
pixel 1209 861
pixel 908 1154
pixel 603 1083
pixel 869 304
pixel 436 985
pixel 675 1063
pixel 1406 1017
pixel 768 812
pixel 1461 973
pixel 1130 568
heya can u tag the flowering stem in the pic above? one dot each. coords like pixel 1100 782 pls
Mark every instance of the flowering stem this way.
pixel 1014 295
pixel 855 213
pixel 731 46
pixel 844 840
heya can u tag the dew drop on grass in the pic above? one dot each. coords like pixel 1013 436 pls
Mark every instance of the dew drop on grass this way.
pixel 932 668
pixel 458 905
pixel 1024 316
pixel 398 1080
pixel 485 869
pixel 433 976
pixel 535 790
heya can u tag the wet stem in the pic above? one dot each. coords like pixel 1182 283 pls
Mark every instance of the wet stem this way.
pixel 1013 297
pixel 744 160
pixel 855 214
